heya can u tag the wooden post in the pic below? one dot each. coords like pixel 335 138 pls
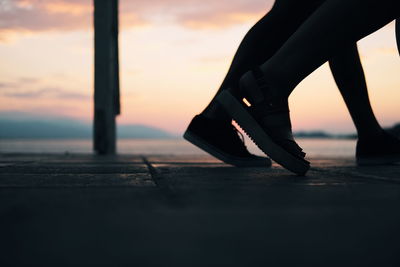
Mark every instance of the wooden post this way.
pixel 106 75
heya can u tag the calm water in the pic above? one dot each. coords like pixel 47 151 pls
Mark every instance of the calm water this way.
pixel 313 147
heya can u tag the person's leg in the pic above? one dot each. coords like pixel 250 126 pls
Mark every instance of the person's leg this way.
pixel 335 25
pixel 212 131
pixel 261 42
pixel 349 76
pixel 374 144
pixel 398 34
pixel 265 38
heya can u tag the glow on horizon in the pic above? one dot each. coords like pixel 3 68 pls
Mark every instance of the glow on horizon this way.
pixel 170 69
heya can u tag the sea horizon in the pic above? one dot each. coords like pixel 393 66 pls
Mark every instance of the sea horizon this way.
pixel 314 147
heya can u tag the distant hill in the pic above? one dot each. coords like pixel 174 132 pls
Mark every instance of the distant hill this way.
pixel 21 125
pixel 322 134
pixel 31 127
pixel 43 129
pixel 141 131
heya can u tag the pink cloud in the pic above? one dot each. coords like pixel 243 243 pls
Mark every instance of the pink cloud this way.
pixel 34 15
pixel 67 15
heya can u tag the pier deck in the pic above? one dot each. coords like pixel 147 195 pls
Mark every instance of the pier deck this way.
pixel 195 211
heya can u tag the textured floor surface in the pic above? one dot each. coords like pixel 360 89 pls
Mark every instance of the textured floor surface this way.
pixel 195 211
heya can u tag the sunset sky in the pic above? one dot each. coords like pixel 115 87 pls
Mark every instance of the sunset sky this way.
pixel 174 55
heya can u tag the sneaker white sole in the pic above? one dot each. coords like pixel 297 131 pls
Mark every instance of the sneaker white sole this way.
pixel 217 153
pixel 258 135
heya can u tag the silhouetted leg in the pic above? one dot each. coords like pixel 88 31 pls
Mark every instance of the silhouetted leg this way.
pixel 349 76
pixel 374 145
pixel 333 26
pixel 261 42
pixel 212 130
pixel 398 34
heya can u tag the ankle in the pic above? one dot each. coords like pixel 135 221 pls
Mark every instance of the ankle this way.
pixel 371 134
pixel 279 87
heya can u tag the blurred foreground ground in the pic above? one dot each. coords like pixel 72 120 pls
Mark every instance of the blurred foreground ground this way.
pixel 195 211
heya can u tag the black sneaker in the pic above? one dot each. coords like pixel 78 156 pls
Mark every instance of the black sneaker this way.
pixel 265 120
pixel 384 149
pixel 221 140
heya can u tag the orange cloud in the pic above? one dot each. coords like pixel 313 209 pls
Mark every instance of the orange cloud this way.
pixel 220 14
pixel 34 16
pixel 68 8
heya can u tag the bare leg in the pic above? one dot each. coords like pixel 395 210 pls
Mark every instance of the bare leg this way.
pixel 349 76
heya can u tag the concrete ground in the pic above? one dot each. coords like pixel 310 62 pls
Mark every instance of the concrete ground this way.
pixel 195 211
